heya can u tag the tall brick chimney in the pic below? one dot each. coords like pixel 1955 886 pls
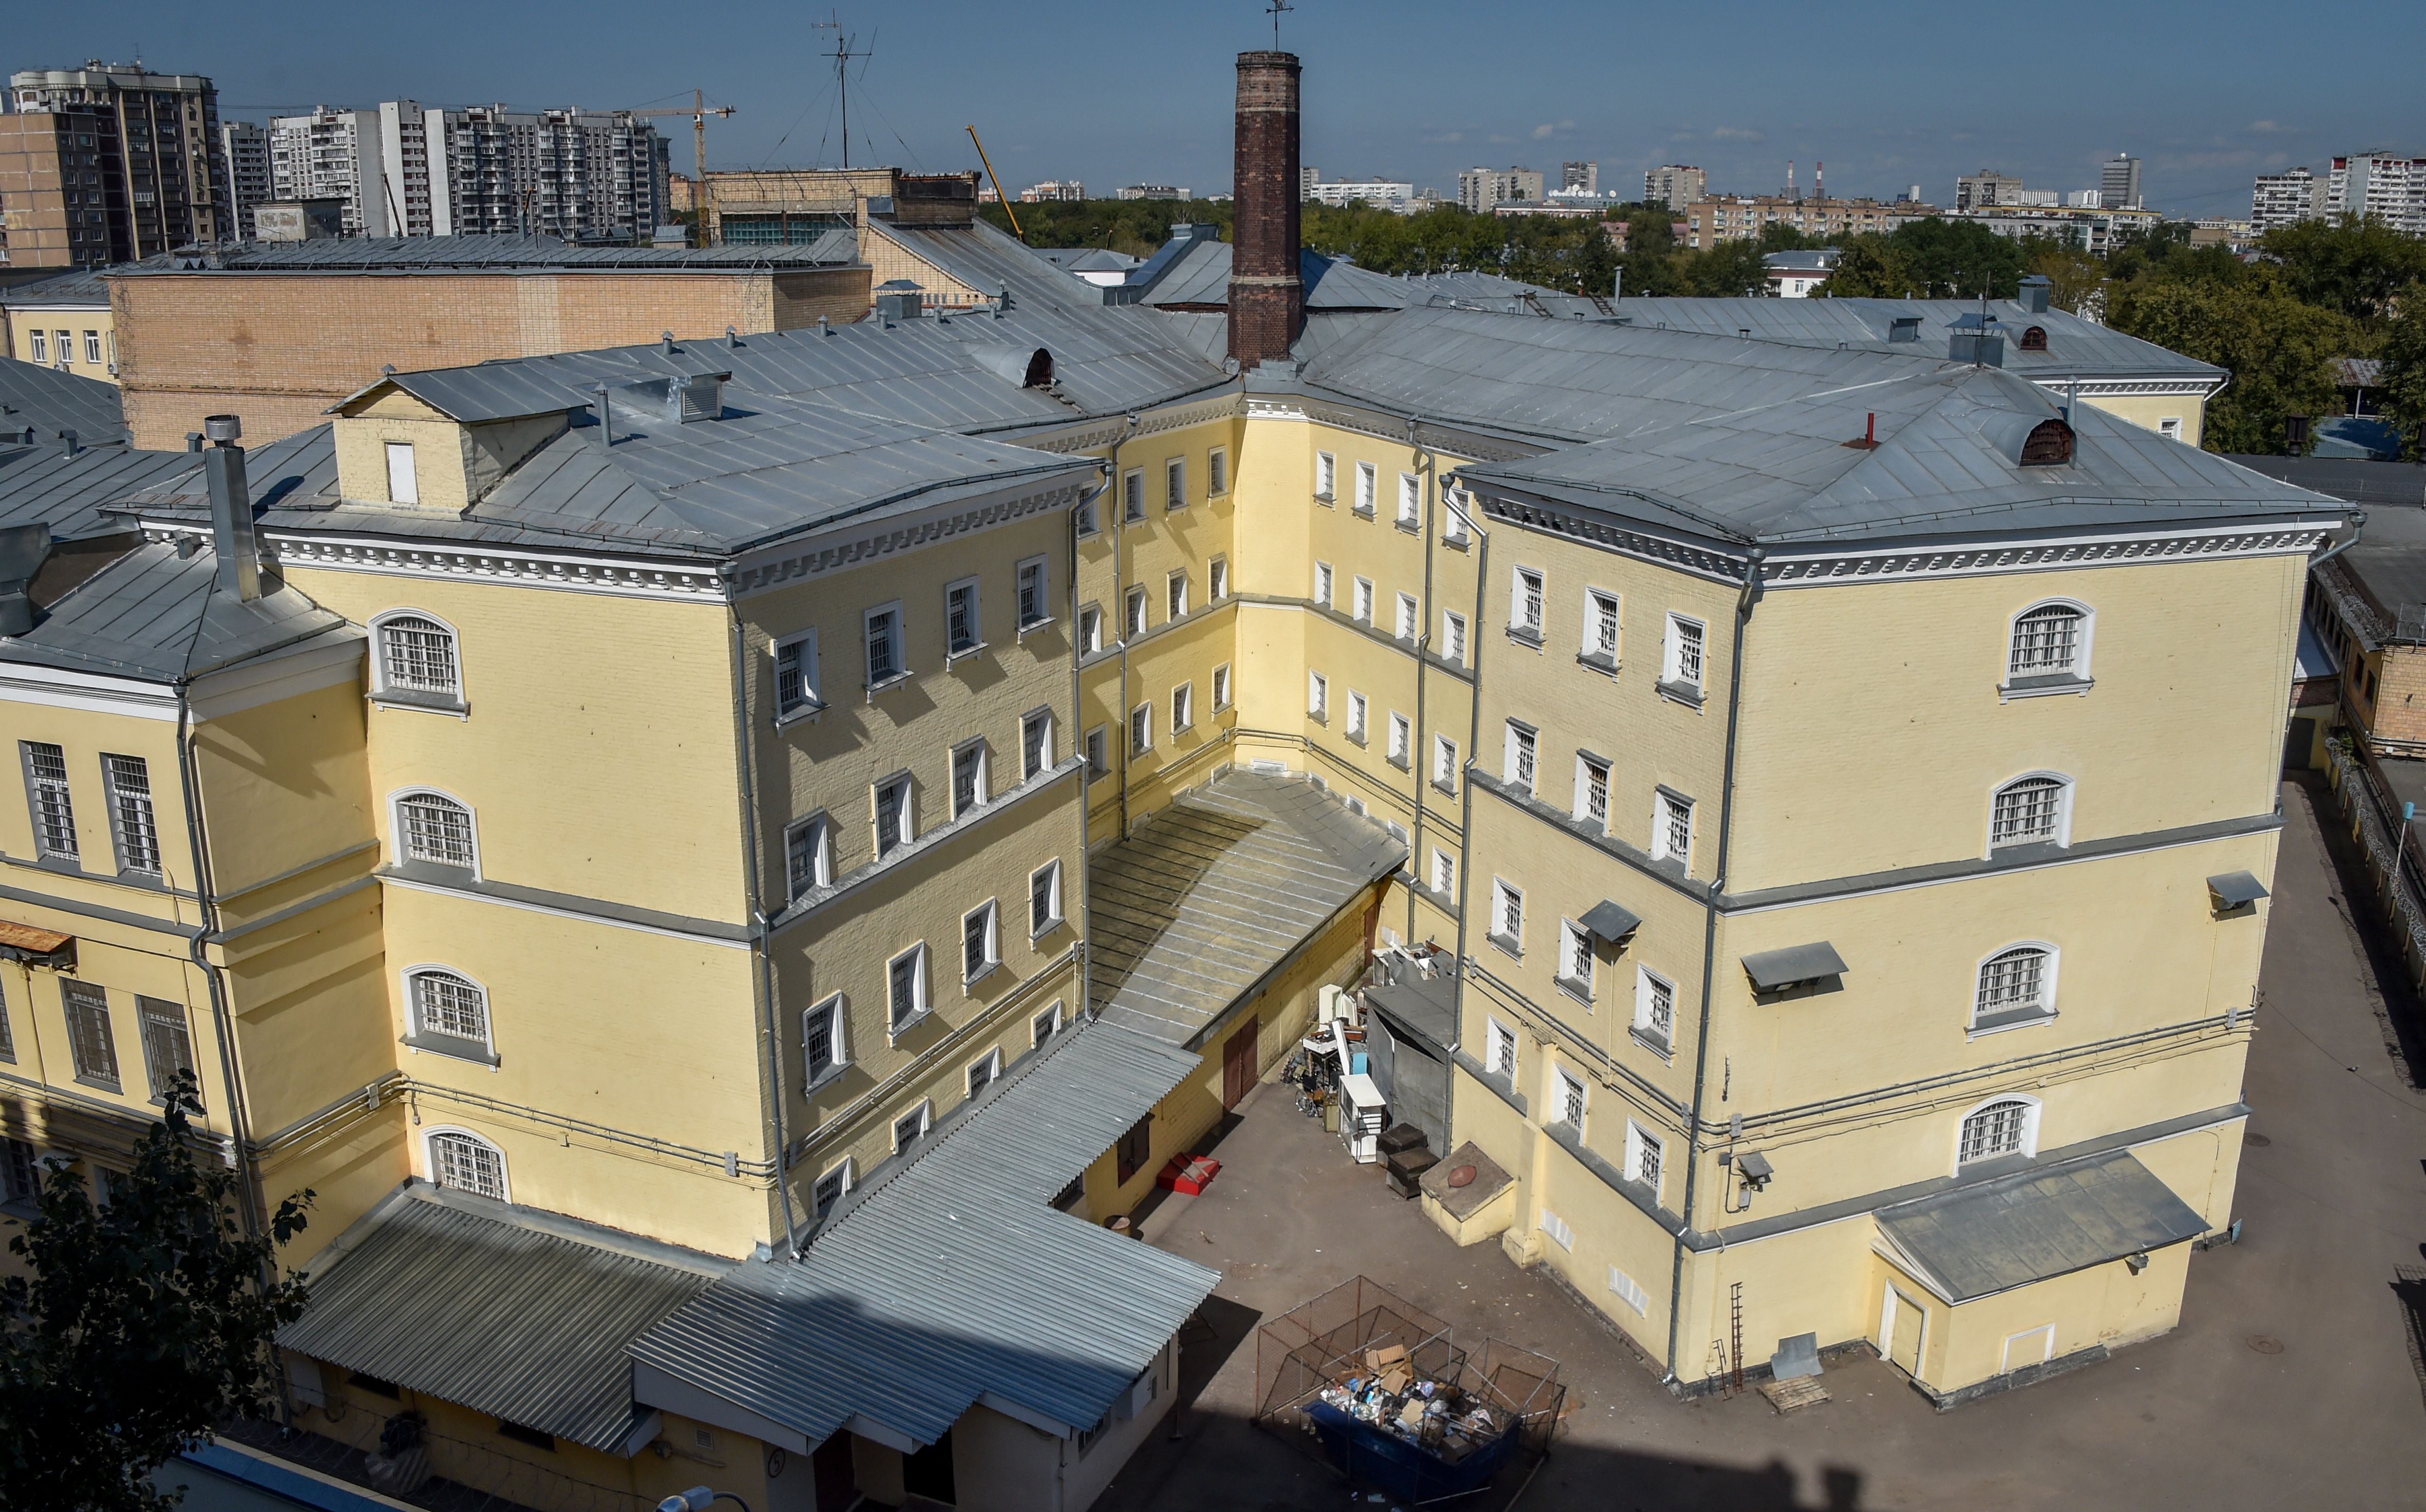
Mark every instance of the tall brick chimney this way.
pixel 1267 297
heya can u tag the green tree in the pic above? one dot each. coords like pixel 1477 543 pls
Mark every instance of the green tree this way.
pixel 2074 277
pixel 2401 385
pixel 1731 269
pixel 1955 259
pixel 138 1325
pixel 2279 351
pixel 2355 265
pixel 1870 267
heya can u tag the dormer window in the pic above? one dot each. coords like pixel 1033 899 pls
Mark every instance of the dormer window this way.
pixel 2035 338
pixel 403 487
pixel 2049 444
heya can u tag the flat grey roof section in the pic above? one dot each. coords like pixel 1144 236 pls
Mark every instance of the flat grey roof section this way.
pixel 2351 478
pixel 1206 898
pixel 1425 1007
pixel 957 1280
pixel 81 289
pixel 1772 970
pixel 2035 1225
pixel 157 616
pixel 524 1316
pixel 72 495
pixel 2076 348
pixel 462 255
pixel 52 401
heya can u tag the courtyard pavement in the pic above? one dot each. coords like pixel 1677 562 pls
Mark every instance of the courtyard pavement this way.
pixel 2290 1382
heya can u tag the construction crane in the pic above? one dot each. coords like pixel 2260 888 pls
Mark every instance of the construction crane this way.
pixel 1004 200
pixel 698 110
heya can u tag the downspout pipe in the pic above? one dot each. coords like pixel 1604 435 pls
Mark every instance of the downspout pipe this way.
pixel 1746 602
pixel 763 984
pixel 1120 528
pixel 1086 1005
pixel 1426 463
pixel 1474 726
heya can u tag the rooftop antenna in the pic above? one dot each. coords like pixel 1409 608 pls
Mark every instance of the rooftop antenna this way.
pixel 1276 6
pixel 842 55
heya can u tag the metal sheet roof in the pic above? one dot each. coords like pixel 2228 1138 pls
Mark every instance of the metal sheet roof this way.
pixel 1201 275
pixel 2076 348
pixel 2356 480
pixel 155 615
pixel 2034 1226
pixel 79 289
pixel 2232 890
pixel 52 401
pixel 1610 921
pixel 72 494
pixel 520 1315
pixel 957 1280
pixel 460 254
pixel 1772 970
pixel 1204 898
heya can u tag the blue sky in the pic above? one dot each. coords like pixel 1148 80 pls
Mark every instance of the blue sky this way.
pixel 1888 92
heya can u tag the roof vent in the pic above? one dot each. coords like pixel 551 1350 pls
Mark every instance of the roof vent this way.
pixel 1040 369
pixel 667 337
pixel 898 298
pixel 2048 444
pixel 2035 292
pixel 1985 348
pixel 1868 439
pixel 1905 328
pixel 2033 339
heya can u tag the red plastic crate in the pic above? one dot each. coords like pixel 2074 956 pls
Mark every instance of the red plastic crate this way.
pixel 1188 1175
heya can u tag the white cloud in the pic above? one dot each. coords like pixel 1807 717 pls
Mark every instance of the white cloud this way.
pixel 2266 128
pixel 1738 133
pixel 1544 131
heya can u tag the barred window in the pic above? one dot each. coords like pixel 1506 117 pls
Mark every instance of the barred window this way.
pixel 821 1047
pixel 1571 1100
pixel 1995 1130
pixel 417 655
pixel 1525 605
pixel 808 857
pixel 467 1163
pixel 444 1003
pixel 46 776
pixel 2047 641
pixel 168 1045
pixel 2027 811
pixel 796 675
pixel 2012 981
pixel 130 818
pixel 437 830
pixel 1647 1156
pixel 90 1042
pixel 1655 1007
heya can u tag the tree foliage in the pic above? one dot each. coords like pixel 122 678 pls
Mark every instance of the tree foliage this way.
pixel 2279 349
pixel 2401 385
pixel 2355 265
pixel 140 1322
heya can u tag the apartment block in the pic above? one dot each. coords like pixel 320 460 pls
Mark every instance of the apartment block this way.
pixel 163 130
pixel 1674 186
pixel 1579 178
pixel 1980 191
pixel 244 146
pixel 2286 199
pixel 1480 188
pixel 2118 183
pixel 1053 190
pixel 2383 185
pixel 1714 218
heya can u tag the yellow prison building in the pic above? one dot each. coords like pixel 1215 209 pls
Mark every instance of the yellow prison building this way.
pixel 722 863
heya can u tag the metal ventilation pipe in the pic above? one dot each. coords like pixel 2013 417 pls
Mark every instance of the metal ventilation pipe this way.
pixel 231 531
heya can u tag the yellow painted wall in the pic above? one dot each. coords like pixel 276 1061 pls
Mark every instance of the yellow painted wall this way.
pixel 23 320
pixel 2148 410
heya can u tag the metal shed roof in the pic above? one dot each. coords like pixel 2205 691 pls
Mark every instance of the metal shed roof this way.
pixel 957 1281
pixel 1610 921
pixel 2034 1226
pixel 52 401
pixel 1772 970
pixel 493 253
pixel 1207 897
pixel 524 1316
pixel 159 617
pixel 2076 348
pixel 73 494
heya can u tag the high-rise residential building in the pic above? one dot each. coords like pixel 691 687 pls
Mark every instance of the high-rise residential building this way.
pixel 1053 189
pixel 2385 185
pixel 1579 178
pixel 2119 184
pixel 406 170
pixel 1718 217
pixel 1307 177
pixel 1676 186
pixel 2286 198
pixel 1154 191
pixel 109 162
pixel 243 148
pixel 1380 193
pixel 1480 188
pixel 1974 191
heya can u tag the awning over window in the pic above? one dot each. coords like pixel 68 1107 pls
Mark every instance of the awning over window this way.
pixel 36 946
pixel 2233 890
pixel 2034 1226
pixel 1773 970
pixel 1610 922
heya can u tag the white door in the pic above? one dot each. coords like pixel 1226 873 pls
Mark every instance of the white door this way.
pixel 401 488
pixel 1904 1321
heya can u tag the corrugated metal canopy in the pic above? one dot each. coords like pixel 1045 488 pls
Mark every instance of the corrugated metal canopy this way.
pixel 956 1279
pixel 519 1315
pixel 1204 898
pixel 1611 922
pixel 1772 970
pixel 2034 1226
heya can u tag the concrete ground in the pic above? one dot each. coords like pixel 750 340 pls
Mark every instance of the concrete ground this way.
pixel 2290 1381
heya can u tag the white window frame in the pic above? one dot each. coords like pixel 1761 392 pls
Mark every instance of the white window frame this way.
pixel 410 978
pixel 1044 756
pixel 1318 697
pixel 1368 488
pixel 922 996
pixel 93 348
pixel 1445 764
pixel 1663 846
pixel 1359 711
pixel 1453 642
pixel 1051 872
pixel 1217 472
pixel 39 344
pixel 123 825
pixel 1411 500
pixel 1672 652
pixel 1090 520
pixel 1137 613
pixel 908 827
pixel 2050 959
pixel 1217 579
pixel 38 783
pixel 1640 1141
pixel 1041 570
pixel 867 618
pixel 430 1158
pixel 1647 987
pixel 2084 641
pixel 1520 756
pixel 2029 1147
pixel 982 788
pixel 1175 484
pixel 1174 594
pixel 977 642
pixel 1456 504
pixel 1501 1046
pixel 1221 688
pixel 1044 1026
pixel 1528 601
pixel 991 912
pixel 1324 582
pixel 1576 949
pixel 2170 427
pixel 837 1040
pixel 1133 496
pixel 991 1064
pixel 821 854
pixel 1604 606
pixel 848 1170
pixel 923 1115
pixel 2063 836
pixel 384 685
pixel 803 644
pixel 1326 477
pixel 1361 601
pixel 1444 872
pixel 1563 1083
pixel 1095 748
pixel 1587 768
pixel 1503 893
pixel 1402 740
pixel 396 829
pixel 1141 728
pixel 412 474
pixel 1411 618
pixel 1183 708
pixel 1090 629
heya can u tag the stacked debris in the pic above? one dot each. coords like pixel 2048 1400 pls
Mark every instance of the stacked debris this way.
pixel 1437 1415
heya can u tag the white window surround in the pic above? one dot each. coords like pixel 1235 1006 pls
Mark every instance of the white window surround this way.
pixel 1221 688
pixel 905 819
pixel 818 829
pixel 1684 651
pixel 1410 499
pixel 921 999
pixel 1090 629
pixel 1361 608
pixel 1402 739
pixel 1356 716
pixel 1044 1025
pixel 1445 764
pixel 1452 648
pixel 1444 871
pixel 1591 792
pixel 1326 477
pixel 429 1159
pixel 2037 1007
pixel 2030 673
pixel 986 916
pixel 2060 826
pixel 1217 579
pixel 1318 696
pixel 388 687
pixel 397 854
pixel 1521 756
pixel 898 640
pixel 1174 483
pixel 834 1010
pixel 1506 926
pixel 798 690
pixel 1133 496
pixel 1367 486
pixel 1322 583
pixel 1603 626
pixel 842 1178
pixel 1499 1045
pixel 1528 598
pixel 1183 708
pixel 1134 619
pixel 1570 1099
pixel 2028 1133
pixel 1666 820
pixel 1655 1007
pixel 1141 728
pixel 1576 959
pixel 2170 427
pixel 1411 617
pixel 1050 874
pixel 968 638
pixel 1032 580
pixel 1646 1157
pixel 1175 594
pixel 974 756
pixel 1036 744
pixel 403 479
pixel 983 1072
pixel 411 977
pixel 918 1120
pixel 1217 472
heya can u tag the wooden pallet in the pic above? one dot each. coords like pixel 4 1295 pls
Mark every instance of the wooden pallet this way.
pixel 1794 1395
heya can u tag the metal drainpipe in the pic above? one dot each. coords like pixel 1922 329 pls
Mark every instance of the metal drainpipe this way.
pixel 764 988
pixel 1423 639
pixel 1465 786
pixel 1120 607
pixel 1086 1005
pixel 1744 603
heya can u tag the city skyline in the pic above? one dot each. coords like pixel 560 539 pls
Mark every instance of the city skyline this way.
pixel 2205 112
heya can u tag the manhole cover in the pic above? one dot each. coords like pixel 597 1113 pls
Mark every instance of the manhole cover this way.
pixel 2258 1140
pixel 2266 1343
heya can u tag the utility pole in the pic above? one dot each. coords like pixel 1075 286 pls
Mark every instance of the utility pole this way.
pixel 842 55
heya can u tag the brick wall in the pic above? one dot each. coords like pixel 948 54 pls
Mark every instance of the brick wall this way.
pixel 1266 298
pixel 278 349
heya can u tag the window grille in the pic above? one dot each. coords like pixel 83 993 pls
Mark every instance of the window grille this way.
pixel 467 1163
pixel 1995 1129
pixel 1098 763
pixel 1453 631
pixel 1604 624
pixel 2025 811
pixel 1364 600
pixel 1326 471
pixel 1222 686
pixel 2047 641
pixel 807 863
pixel 1571 1102
pixel 1688 637
pixel 1512 913
pixel 821 1039
pixel 1445 762
pixel 1527 603
pixel 968 779
pixel 1045 1025
pixel 1217 474
pixel 131 815
pixel 1675 836
pixel 1032 608
pixel 1217 582
pixel 1401 734
pixel 908 987
pixel 1595 805
pixel 1133 499
pixel 1322 583
pixel 1407 616
pixel 976 942
pixel 892 814
pixel 1035 745
pixel 1366 488
pixel 909 1128
pixel 1090 629
pixel 1579 958
pixel 46 769
pixel 1182 715
pixel 436 829
pixel 1174 483
pixel 1520 756
pixel 1356 718
pixel 1318 695
pixel 796 675
pixel 2012 981
pixel 90 1042
pixel 1658 1008
pixel 1649 1156
pixel 960 617
pixel 1410 498
pixel 1178 597
pixel 1142 729
pixel 417 655
pixel 981 1075
pixel 830 1189
pixel 1503 1050
pixel 444 1003
pixel 1137 613
pixel 1044 898
pixel 884 647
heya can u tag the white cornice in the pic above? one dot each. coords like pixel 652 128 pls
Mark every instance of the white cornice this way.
pixel 85 692
pixel 478 561
pixel 795 561
pixel 2272 538
pixel 2187 387
pixel 1223 406
pixel 1625 539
